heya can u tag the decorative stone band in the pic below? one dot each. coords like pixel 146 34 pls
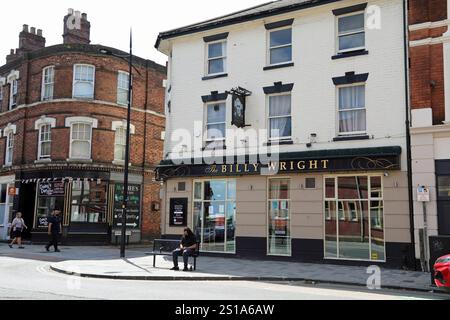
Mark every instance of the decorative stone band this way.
pixel 348 160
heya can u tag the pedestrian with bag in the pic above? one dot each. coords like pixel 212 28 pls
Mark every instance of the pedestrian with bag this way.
pixel 17 227
pixel 54 230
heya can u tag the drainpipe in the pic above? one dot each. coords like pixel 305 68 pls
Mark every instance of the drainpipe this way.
pixel 408 136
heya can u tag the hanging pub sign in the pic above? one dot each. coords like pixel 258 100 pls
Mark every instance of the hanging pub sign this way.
pixel 51 189
pixel 238 102
pixel 178 212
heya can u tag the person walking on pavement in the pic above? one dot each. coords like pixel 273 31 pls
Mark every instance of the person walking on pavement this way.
pixel 54 230
pixel 17 227
pixel 187 247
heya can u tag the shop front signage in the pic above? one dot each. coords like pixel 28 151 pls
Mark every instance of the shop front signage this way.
pixel 336 164
pixel 51 189
pixel 133 208
pixel 178 212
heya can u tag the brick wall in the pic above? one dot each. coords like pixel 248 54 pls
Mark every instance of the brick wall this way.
pixel 426 60
pixel 148 106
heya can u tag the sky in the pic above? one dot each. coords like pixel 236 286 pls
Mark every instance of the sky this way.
pixel 111 20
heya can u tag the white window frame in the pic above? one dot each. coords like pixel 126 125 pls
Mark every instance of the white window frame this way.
pixel 338 35
pixel 8 132
pixel 44 121
pixel 217 140
pixel 14 89
pixel 2 83
pixel 269 48
pixel 268 202
pixel 351 133
pixel 120 88
pixel 369 200
pixel 50 83
pixel 79 81
pixel 41 141
pixel 116 125
pixel 81 120
pixel 224 42
pixel 268 117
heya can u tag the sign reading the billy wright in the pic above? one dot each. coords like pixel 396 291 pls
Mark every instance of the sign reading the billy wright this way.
pixel 133 209
pixel 282 167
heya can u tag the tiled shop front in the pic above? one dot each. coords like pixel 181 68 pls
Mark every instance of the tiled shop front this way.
pixel 301 212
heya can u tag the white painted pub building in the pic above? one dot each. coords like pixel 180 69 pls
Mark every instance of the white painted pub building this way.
pixel 323 84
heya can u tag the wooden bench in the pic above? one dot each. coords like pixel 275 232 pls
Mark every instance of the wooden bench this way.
pixel 165 247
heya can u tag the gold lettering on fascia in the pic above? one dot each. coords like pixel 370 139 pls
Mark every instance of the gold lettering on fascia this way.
pixel 283 166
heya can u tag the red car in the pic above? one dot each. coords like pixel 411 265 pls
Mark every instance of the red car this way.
pixel 442 272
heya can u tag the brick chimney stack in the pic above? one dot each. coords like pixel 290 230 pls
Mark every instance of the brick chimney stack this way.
pixel 77 28
pixel 29 40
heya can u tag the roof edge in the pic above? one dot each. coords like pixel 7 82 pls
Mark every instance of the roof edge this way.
pixel 191 29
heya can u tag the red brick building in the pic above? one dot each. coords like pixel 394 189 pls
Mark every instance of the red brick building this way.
pixel 62 144
pixel 429 53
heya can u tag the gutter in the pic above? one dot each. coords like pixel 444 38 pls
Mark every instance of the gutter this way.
pixel 408 136
pixel 199 27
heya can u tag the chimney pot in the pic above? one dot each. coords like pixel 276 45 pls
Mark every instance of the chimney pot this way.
pixel 84 16
pixel 33 30
pixel 12 51
pixel 39 32
pixel 25 28
pixel 70 11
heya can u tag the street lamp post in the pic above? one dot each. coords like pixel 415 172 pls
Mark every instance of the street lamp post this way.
pixel 127 144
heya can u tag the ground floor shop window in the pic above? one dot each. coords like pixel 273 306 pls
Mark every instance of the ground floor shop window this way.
pixel 89 202
pixel 354 218
pixel 279 239
pixel 215 215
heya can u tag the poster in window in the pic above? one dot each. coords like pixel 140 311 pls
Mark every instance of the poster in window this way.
pixel 178 212
pixel 238 113
pixel 51 189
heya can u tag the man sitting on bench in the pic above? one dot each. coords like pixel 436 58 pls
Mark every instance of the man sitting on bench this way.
pixel 188 246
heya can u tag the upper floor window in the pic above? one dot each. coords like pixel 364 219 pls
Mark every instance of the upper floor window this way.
pixel 1 94
pixel 9 148
pixel 280 46
pixel 217 57
pixel 81 141
pixel 48 81
pixel 351 32
pixel 45 141
pixel 120 144
pixel 83 81
pixel 120 141
pixel 216 122
pixel 123 81
pixel 13 94
pixel 280 119
pixel 352 109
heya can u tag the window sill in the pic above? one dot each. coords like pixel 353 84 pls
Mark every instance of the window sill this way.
pixel 210 148
pixel 350 138
pixel 350 54
pixel 279 143
pixel 278 66
pixel 80 160
pixel 7 166
pixel 222 75
pixel 120 163
pixel 43 161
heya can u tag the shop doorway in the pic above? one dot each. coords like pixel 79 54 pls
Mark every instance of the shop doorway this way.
pixel 27 202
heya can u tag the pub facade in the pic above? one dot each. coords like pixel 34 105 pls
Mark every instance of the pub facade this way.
pixel 285 134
